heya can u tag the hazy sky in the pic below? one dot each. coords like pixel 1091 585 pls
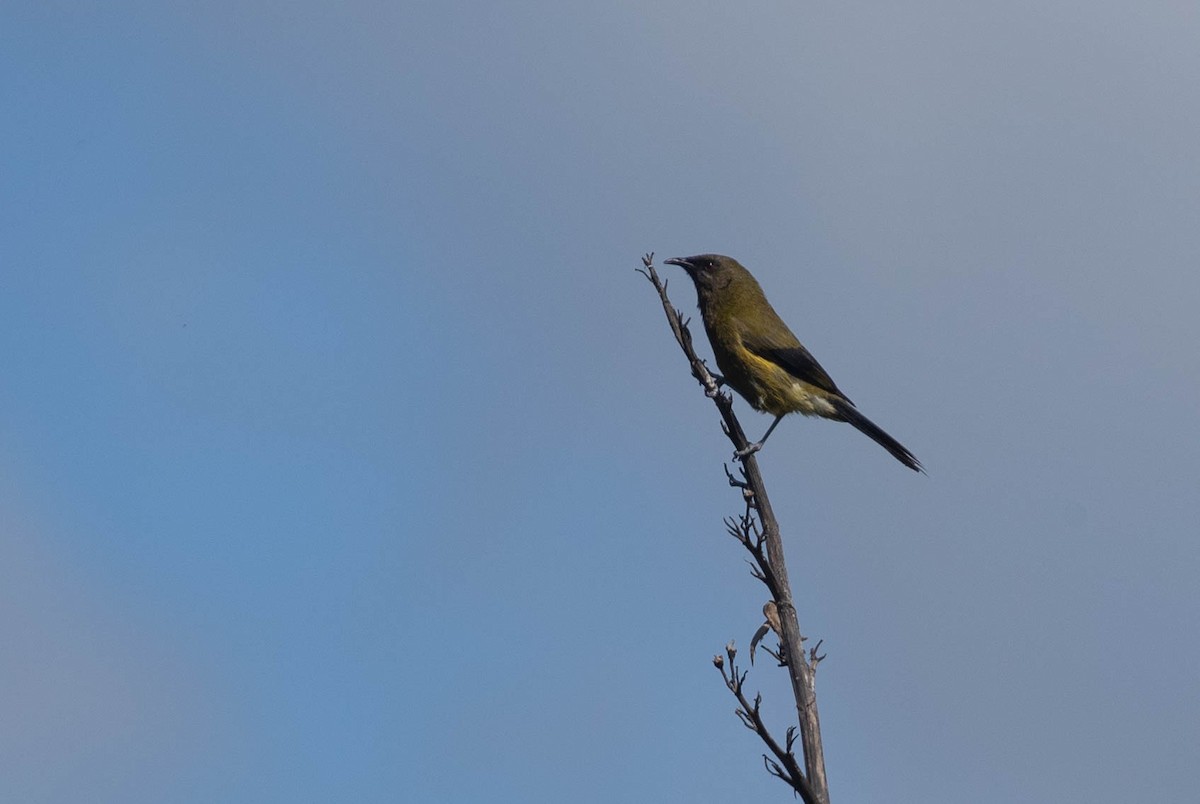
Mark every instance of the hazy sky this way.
pixel 344 457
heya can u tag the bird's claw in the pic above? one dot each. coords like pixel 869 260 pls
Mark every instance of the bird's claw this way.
pixel 748 451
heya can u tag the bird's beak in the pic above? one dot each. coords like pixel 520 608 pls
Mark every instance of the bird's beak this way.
pixel 681 262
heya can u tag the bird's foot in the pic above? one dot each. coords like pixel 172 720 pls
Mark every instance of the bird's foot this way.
pixel 715 388
pixel 748 451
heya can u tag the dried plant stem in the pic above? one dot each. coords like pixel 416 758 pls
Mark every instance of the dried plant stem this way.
pixel 765 544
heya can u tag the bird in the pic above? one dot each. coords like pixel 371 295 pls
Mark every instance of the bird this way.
pixel 762 360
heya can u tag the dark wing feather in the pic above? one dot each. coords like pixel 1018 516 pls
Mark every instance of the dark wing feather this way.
pixel 791 357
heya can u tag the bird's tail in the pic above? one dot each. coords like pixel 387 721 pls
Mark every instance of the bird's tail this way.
pixel 848 413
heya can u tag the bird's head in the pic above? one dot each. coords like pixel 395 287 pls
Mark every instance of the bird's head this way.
pixel 709 271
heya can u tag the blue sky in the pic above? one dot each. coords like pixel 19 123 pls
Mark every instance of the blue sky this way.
pixel 344 457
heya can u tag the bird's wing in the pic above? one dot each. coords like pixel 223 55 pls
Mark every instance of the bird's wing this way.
pixel 792 357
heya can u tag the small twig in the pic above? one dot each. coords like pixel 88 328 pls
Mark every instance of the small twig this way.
pixel 815 658
pixel 733 481
pixel 784 765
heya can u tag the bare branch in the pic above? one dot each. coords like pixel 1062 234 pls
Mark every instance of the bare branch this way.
pixel 763 541
pixel 784 764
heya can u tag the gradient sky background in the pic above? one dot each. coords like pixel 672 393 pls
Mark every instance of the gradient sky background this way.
pixel 344 457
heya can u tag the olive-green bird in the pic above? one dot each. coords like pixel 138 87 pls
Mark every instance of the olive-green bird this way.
pixel 762 360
